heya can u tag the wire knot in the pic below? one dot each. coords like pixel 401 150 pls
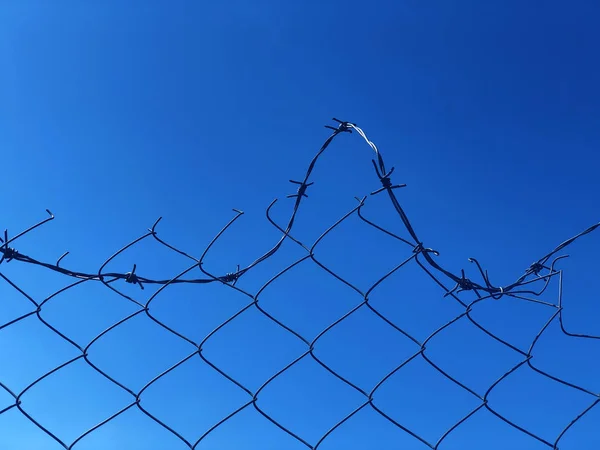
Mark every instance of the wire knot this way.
pixel 232 277
pixel 302 186
pixel 343 127
pixel 386 181
pixel 536 268
pixel 9 254
pixel 465 284
pixel 132 278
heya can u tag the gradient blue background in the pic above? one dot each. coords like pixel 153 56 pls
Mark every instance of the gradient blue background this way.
pixel 115 113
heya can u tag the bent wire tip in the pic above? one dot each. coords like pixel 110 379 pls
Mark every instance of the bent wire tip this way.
pixel 61 258
pixel 153 229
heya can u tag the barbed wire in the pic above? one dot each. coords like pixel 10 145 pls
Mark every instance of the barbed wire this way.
pixel 529 287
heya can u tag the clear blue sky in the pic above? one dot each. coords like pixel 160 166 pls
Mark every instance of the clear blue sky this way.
pixel 115 113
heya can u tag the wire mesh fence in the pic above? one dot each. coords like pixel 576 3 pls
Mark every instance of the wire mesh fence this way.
pixel 422 351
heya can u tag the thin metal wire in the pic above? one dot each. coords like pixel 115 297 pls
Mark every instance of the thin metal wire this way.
pixel 529 287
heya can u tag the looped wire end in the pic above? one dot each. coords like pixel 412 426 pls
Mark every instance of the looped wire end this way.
pixel 498 297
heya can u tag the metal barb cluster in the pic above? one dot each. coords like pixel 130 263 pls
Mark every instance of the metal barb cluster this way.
pixel 532 284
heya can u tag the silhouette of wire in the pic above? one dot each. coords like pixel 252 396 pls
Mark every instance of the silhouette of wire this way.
pixel 528 287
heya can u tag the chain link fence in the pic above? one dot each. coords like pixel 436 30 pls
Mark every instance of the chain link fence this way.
pixel 388 403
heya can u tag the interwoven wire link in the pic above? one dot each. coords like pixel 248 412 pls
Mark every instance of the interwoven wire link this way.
pixel 469 294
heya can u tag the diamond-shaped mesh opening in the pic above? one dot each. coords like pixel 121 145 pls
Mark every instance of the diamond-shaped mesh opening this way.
pixel 131 429
pixel 423 400
pixel 412 301
pixel 529 400
pixel 317 300
pixel 568 358
pixel 24 348
pixel 359 252
pixel 485 430
pixel 369 429
pixel 314 400
pixel 84 311
pixel 471 356
pixel 358 348
pixel 195 311
pixel 75 387
pixel 192 398
pixel 248 429
pixel 251 348
pixel 17 432
pixel 137 350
